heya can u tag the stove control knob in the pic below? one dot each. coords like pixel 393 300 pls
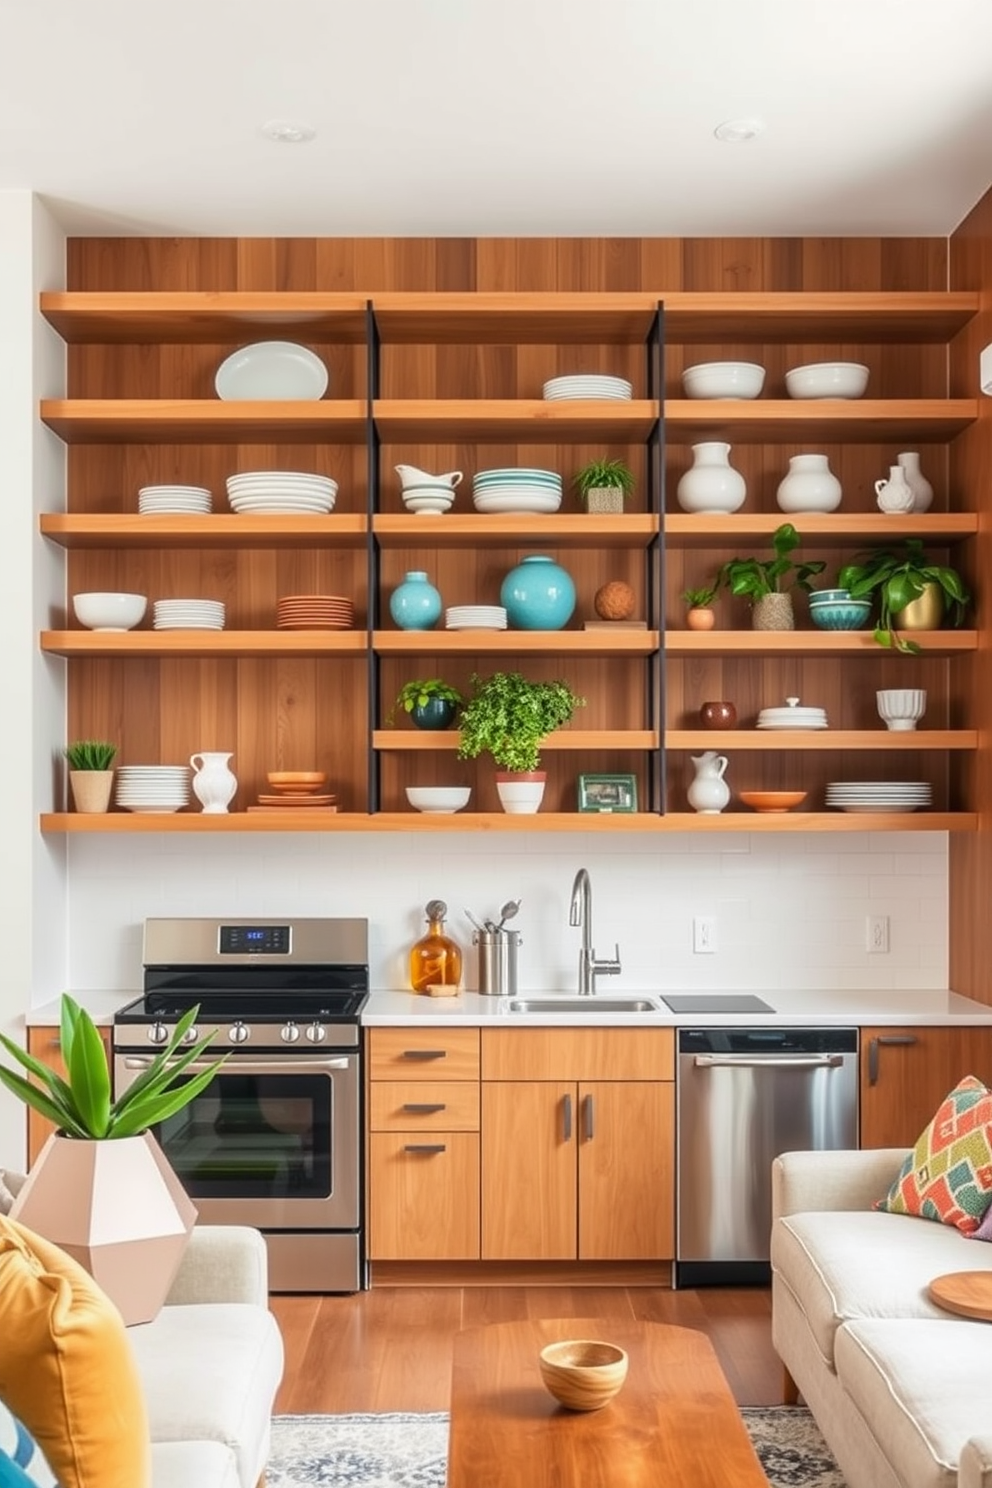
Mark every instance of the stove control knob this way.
pixel 239 1033
pixel 316 1033
pixel 158 1034
pixel 191 1035
pixel 290 1033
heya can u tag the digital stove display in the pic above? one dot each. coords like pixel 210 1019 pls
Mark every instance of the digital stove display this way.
pixel 262 940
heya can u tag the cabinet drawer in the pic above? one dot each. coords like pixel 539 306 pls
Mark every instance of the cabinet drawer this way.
pixel 578 1054
pixel 410 1106
pixel 424 1054
pixel 424 1204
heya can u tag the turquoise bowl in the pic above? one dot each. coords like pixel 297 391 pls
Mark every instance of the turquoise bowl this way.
pixel 827 596
pixel 842 614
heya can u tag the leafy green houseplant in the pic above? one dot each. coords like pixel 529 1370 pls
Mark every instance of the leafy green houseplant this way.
pixel 508 717
pixel 431 703
pixel 767 582
pixel 604 484
pixel 699 615
pixel 899 576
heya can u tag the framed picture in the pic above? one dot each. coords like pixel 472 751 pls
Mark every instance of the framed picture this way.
pixel 607 793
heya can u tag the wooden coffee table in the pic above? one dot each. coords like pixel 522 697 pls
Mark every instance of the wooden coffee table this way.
pixel 674 1420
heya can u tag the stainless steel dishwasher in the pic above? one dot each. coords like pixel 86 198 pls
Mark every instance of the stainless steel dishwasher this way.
pixel 744 1096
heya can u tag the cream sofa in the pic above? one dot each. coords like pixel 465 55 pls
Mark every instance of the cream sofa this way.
pixel 211 1363
pixel 899 1387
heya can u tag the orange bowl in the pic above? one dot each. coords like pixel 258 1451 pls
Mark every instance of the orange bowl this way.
pixel 772 800
pixel 296 777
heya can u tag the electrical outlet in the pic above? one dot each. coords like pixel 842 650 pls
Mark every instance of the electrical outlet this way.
pixel 704 935
pixel 877 929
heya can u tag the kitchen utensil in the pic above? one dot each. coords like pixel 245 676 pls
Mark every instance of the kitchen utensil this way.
pixel 474 922
pixel 508 912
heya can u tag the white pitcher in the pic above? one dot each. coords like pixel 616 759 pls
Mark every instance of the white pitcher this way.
pixel 709 792
pixel 214 784
pixel 895 494
pixel 410 476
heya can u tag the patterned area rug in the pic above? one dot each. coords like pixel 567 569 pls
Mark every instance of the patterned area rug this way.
pixel 403 1450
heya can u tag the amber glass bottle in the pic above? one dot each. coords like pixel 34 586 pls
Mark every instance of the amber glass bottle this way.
pixel 436 960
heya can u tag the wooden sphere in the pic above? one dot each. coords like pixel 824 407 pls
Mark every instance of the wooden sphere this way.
pixel 614 601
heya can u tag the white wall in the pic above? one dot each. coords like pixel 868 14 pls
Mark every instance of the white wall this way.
pixel 790 910
pixel 32 461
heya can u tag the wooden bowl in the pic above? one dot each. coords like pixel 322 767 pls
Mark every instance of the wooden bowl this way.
pixel 583 1373
pixel 296 777
pixel 772 800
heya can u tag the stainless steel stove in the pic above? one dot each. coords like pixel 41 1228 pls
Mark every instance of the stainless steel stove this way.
pixel 275 1139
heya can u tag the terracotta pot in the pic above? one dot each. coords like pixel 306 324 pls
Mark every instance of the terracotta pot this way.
pixel 700 618
pixel 773 612
pixel 521 792
pixel 91 789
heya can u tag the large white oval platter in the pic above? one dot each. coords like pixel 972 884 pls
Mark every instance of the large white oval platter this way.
pixel 271 370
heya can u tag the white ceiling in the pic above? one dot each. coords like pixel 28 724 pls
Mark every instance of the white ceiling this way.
pixel 498 117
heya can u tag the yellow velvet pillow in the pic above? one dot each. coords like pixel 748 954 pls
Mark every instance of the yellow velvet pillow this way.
pixel 66 1366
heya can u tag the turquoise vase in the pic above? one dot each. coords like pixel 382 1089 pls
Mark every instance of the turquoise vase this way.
pixel 415 604
pixel 538 594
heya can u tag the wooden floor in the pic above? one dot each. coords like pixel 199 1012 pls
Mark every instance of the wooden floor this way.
pixel 390 1348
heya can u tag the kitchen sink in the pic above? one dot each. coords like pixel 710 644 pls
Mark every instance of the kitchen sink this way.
pixel 593 1004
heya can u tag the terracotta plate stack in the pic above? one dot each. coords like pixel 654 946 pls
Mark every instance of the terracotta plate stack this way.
pixel 315 612
pixel 296 790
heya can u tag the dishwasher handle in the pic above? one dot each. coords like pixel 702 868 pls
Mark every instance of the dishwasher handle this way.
pixel 769 1061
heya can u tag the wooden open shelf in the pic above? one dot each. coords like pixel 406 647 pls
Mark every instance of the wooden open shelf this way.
pixel 809 642
pixel 227 530
pixel 552 529
pixel 204 643
pixel 840 528
pixel 513 421
pixel 853 421
pixel 511 643
pixel 204 421
pixel 771 741
pixel 447 740
pixel 204 316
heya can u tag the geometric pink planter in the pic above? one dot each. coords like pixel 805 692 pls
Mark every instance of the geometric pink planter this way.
pixel 117 1207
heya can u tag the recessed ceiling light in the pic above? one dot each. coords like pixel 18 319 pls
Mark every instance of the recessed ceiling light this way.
pixel 289 131
pixel 738 131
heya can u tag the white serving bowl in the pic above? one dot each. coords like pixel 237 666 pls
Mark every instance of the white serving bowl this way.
pixel 442 799
pixel 109 611
pixel 827 380
pixel 723 380
pixel 901 707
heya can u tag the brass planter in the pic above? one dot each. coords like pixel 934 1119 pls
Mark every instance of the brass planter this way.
pixel 925 613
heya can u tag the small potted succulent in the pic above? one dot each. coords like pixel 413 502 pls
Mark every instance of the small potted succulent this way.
pixel 603 485
pixel 699 615
pixel 508 718
pixel 766 582
pixel 431 703
pixel 912 591
pixel 90 775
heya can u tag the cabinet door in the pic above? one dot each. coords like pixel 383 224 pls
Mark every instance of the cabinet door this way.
pixel 906 1072
pixel 46 1046
pixel 626 1171
pixel 424 1196
pixel 528 1171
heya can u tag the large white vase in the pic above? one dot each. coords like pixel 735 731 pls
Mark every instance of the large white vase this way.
pixel 915 479
pixel 711 484
pixel 810 486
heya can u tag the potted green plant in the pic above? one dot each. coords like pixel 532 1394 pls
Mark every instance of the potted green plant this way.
pixel 699 615
pixel 911 590
pixel 603 485
pixel 431 703
pixel 508 717
pixel 767 582
pixel 102 1188
pixel 90 775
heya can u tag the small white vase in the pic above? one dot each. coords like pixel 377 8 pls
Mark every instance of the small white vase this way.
pixel 810 486
pixel 214 784
pixel 915 479
pixel 894 495
pixel 709 792
pixel 711 484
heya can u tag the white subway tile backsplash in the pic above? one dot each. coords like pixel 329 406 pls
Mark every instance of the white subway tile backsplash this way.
pixel 790 910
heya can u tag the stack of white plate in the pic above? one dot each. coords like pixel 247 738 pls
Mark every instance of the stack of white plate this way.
pixel 274 492
pixel 188 614
pixel 516 490
pixel 792 716
pixel 588 385
pixel 879 795
pixel 158 788
pixel 159 501
pixel 475 617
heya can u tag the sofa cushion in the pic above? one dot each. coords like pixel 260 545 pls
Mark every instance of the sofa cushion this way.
pixel 918 1386
pixel 66 1368
pixel 207 1464
pixel 842 1265
pixel 210 1373
pixel 948 1175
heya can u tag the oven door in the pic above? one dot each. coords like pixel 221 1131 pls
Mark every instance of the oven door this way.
pixel 271 1142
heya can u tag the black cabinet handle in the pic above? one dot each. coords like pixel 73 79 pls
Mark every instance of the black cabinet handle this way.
pixel 566 1114
pixel 425 1054
pixel 425 1147
pixel 418 1108
pixel 894 1039
pixel 588 1112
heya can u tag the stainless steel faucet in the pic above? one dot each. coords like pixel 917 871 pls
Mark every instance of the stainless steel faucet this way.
pixel 580 913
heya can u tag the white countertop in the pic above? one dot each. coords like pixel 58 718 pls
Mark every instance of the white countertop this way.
pixel 469 1009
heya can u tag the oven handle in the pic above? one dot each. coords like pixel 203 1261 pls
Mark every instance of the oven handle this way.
pixel 251 1066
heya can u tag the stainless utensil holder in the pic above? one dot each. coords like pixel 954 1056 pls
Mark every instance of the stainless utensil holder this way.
pixel 497 962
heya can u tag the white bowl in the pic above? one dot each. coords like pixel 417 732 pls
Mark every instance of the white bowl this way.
pixel 444 800
pixel 901 707
pixel 109 611
pixel 723 380
pixel 827 380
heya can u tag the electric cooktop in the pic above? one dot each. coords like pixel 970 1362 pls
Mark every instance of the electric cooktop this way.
pixel 715 1002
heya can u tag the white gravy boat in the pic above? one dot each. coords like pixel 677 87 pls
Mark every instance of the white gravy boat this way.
pixel 410 476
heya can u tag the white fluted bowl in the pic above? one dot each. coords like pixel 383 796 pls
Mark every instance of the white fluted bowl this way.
pixel 901 708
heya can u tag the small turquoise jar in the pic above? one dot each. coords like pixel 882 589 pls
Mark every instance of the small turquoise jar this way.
pixel 415 604
pixel 538 594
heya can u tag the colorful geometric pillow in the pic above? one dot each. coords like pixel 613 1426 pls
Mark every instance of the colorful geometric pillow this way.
pixel 22 1463
pixel 948 1174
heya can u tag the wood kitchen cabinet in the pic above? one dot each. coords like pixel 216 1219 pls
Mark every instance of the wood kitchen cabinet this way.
pixel 907 1072
pixel 423 1180
pixel 45 1044
pixel 577 1145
